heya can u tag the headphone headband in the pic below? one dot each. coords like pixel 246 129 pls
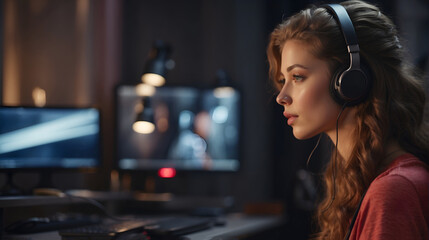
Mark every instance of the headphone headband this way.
pixel 346 26
pixel 350 85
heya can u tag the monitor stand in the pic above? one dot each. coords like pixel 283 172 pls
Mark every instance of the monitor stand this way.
pixel 45 179
pixel 9 189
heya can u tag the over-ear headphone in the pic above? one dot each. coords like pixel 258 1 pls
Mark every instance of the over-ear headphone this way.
pixel 349 85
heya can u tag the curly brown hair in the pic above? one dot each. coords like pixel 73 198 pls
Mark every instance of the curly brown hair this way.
pixel 394 109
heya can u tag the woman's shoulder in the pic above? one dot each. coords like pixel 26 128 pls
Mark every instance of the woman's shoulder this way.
pixel 405 168
pixel 406 176
pixel 395 205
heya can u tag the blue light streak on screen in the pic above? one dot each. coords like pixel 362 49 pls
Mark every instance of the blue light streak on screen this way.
pixel 49 137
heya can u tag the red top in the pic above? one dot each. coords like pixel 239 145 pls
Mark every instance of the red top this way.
pixel 396 205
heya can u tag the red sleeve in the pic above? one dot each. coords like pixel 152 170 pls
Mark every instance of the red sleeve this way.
pixel 391 210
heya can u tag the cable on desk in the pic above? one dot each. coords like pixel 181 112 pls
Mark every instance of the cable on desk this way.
pixel 61 194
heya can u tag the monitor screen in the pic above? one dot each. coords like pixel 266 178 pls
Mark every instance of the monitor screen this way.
pixel 33 137
pixel 195 129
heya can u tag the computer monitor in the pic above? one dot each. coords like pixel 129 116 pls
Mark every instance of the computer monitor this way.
pixel 50 138
pixel 32 138
pixel 195 129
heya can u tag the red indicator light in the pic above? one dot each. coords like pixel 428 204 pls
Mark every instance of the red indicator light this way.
pixel 167 172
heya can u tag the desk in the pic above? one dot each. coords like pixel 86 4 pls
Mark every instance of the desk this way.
pixel 238 226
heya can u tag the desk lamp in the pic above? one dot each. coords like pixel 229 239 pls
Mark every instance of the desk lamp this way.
pixel 144 123
pixel 157 65
pixel 224 88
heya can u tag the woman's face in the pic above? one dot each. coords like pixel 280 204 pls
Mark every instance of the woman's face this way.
pixel 304 91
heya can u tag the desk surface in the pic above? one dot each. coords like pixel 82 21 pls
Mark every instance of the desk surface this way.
pixel 236 225
pixel 79 196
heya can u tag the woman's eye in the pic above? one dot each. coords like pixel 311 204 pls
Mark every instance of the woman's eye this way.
pixel 281 82
pixel 298 78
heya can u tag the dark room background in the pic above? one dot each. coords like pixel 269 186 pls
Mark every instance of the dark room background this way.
pixel 78 51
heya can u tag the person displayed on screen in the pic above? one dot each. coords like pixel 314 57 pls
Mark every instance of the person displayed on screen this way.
pixel 189 146
pixel 341 71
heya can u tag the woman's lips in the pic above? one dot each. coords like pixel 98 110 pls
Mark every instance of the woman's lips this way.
pixel 290 118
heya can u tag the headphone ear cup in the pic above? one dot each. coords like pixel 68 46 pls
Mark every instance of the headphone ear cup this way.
pixel 350 86
pixel 334 86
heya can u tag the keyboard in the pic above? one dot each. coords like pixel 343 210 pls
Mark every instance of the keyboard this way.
pixel 110 230
pixel 139 229
pixel 169 228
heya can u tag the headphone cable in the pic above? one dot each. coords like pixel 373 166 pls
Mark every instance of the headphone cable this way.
pixel 314 149
pixel 98 205
pixel 334 161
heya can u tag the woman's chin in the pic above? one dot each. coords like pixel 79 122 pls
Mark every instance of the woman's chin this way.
pixel 301 135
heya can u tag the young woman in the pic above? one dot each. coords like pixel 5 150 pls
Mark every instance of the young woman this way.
pixel 378 168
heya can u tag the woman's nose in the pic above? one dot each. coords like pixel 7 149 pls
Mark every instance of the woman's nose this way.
pixel 283 99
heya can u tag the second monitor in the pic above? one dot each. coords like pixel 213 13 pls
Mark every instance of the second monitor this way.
pixel 195 129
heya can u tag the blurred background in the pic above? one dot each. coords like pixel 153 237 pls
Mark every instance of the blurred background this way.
pixel 77 52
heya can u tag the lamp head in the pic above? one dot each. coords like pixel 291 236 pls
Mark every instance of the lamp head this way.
pixel 224 87
pixel 157 64
pixel 145 120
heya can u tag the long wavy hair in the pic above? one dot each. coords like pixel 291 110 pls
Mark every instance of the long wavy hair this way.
pixel 394 109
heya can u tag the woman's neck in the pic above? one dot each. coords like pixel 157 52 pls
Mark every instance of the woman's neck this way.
pixel 346 127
